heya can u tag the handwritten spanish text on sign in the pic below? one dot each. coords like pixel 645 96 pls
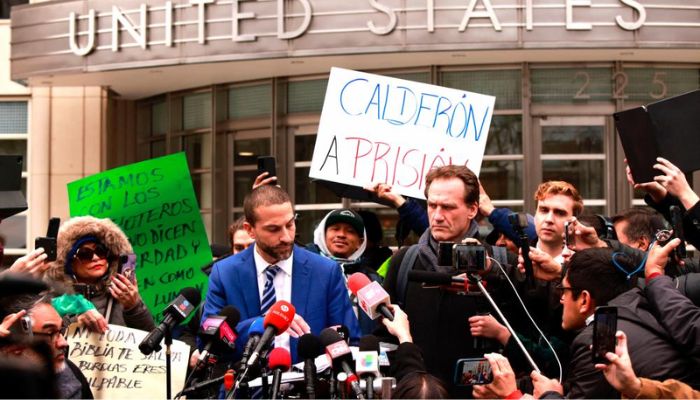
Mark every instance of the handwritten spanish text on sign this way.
pixel 379 129
pixel 154 203
pixel 115 368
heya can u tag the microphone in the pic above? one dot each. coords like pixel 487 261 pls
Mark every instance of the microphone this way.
pixel 341 357
pixel 277 320
pixel 12 284
pixel 227 377
pixel 434 278
pixel 308 348
pixel 519 222
pixel 371 296
pixel 367 362
pixel 216 330
pixel 176 312
pixel 255 330
pixel 279 361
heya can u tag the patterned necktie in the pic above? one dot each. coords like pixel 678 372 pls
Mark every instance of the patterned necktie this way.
pixel 268 297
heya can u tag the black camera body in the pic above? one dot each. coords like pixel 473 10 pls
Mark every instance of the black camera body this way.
pixel 463 257
pixel 518 222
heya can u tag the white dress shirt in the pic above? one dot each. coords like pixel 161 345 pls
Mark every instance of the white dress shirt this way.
pixel 282 283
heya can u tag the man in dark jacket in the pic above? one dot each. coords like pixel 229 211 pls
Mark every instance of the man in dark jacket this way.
pixel 439 316
pixel 591 281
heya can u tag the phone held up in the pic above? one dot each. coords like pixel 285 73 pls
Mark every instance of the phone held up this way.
pixel 473 371
pixel 48 243
pixel 22 327
pixel 267 164
pixel 128 267
pixel 604 329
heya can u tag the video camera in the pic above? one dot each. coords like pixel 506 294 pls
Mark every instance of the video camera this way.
pixel 467 258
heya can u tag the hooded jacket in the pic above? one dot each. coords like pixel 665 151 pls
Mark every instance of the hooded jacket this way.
pixel 112 237
pixel 320 242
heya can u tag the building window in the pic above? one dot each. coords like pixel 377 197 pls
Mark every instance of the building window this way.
pixel 502 167
pixel 550 122
pixel 14 120
pixel 6 5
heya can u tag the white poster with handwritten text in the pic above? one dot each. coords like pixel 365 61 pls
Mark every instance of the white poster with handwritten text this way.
pixel 379 129
pixel 115 368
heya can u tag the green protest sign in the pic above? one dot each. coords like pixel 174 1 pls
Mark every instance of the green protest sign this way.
pixel 154 203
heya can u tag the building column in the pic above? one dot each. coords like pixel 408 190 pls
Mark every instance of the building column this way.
pixel 68 132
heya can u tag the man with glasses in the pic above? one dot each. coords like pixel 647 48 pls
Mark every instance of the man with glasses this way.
pixel 275 269
pixel 47 325
pixel 591 281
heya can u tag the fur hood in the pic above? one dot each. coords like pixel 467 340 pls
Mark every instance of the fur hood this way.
pixel 106 231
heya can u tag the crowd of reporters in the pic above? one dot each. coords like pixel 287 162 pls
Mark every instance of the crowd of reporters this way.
pixel 529 308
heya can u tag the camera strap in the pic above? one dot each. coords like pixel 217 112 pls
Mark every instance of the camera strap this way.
pixel 405 267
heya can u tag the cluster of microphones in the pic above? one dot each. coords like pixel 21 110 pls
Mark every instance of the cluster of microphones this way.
pixel 330 366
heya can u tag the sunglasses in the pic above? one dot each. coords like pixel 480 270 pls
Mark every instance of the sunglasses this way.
pixel 86 253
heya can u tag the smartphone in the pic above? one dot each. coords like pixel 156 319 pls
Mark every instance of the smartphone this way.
pixel 267 164
pixel 473 371
pixel 128 267
pixel 22 327
pixel 49 246
pixel 566 233
pixel 48 243
pixel 604 329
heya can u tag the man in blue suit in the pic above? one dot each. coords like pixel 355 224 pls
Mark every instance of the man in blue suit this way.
pixel 313 284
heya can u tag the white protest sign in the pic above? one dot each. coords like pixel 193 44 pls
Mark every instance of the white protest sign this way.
pixel 115 368
pixel 379 129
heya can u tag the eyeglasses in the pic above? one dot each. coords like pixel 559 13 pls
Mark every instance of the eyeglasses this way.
pixel 52 336
pixel 561 288
pixel 86 253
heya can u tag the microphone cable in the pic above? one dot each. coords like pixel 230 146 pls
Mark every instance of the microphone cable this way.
pixel 556 357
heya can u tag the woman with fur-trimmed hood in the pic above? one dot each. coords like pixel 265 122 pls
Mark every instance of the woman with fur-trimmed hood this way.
pixel 89 252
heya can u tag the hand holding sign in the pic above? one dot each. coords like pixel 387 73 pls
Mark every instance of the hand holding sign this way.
pixel 673 180
pixel 386 192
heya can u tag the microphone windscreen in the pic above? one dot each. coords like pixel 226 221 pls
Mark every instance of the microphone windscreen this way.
pixel 280 358
pixel 369 343
pixel 436 278
pixel 329 336
pixel 357 281
pixel 229 380
pixel 344 332
pixel 12 284
pixel 309 347
pixel 192 295
pixel 232 315
pixel 257 327
pixel 280 316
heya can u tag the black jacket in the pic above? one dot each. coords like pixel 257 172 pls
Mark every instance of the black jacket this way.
pixel 406 359
pixel 652 351
pixel 439 319
pixel 677 314
pixel 86 393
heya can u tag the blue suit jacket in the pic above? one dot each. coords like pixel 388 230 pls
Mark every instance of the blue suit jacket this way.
pixel 319 293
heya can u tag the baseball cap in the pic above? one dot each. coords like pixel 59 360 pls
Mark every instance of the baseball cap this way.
pixel 349 217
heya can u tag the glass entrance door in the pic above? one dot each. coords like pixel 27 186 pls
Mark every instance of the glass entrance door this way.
pixel 576 150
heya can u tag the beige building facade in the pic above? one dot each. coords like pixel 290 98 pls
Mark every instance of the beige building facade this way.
pixel 108 83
